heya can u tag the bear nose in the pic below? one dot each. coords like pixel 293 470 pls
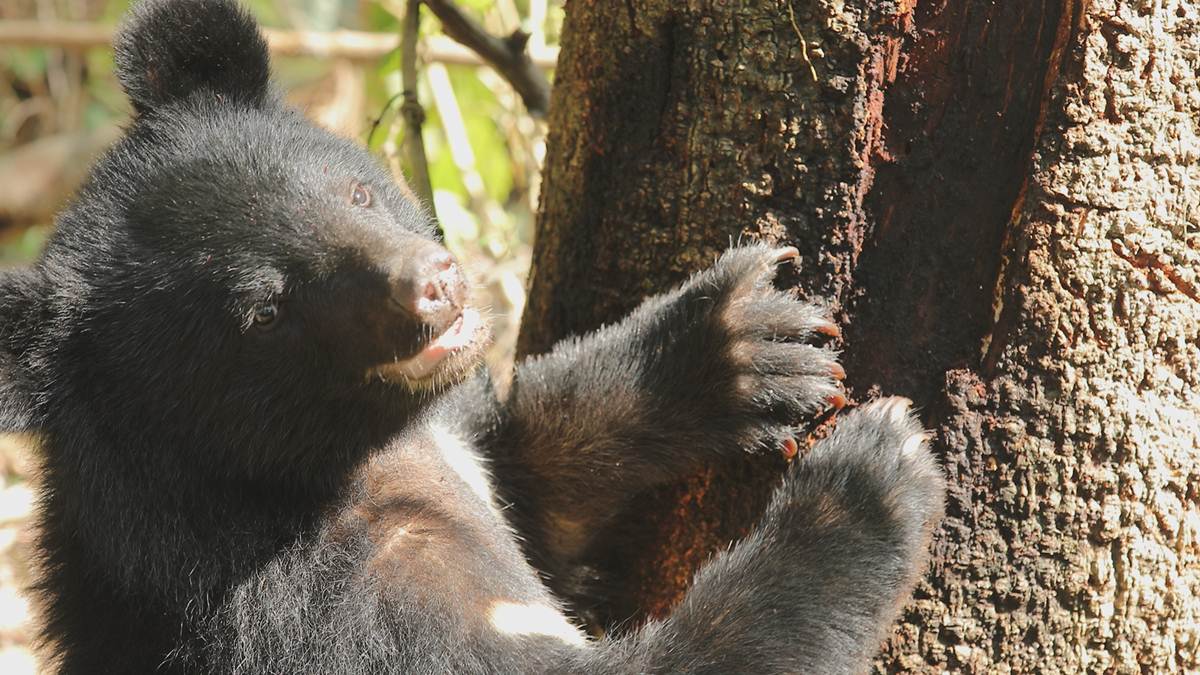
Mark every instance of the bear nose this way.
pixel 428 284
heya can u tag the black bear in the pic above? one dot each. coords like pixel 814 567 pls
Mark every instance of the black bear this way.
pixel 267 446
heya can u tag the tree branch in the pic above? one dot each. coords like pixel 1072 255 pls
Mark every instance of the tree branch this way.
pixel 506 55
pixel 411 110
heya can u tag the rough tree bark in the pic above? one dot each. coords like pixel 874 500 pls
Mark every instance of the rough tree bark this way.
pixel 1002 202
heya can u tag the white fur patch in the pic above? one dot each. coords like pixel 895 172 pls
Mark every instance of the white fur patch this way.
pixel 460 457
pixel 511 618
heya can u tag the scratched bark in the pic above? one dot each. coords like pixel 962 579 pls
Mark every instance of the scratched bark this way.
pixel 1002 201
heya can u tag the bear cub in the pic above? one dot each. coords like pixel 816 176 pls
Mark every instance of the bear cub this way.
pixel 267 445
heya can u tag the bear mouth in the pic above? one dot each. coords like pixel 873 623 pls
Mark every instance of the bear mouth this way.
pixel 444 359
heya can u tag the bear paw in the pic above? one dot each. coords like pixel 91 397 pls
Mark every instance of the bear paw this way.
pixel 769 342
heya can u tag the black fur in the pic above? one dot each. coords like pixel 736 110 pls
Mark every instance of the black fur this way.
pixel 20 308
pixel 221 495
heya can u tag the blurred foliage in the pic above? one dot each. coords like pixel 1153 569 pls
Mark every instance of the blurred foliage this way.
pixel 47 91
pixel 24 246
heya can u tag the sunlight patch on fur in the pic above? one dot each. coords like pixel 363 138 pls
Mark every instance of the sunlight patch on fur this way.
pixel 512 618
pixel 460 457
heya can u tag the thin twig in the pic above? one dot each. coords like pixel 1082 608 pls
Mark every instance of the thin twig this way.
pixel 411 110
pixel 379 118
pixel 507 55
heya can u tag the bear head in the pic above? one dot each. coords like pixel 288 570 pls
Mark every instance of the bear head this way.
pixel 231 280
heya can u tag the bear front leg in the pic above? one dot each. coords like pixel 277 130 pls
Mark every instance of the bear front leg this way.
pixel 815 587
pixel 724 364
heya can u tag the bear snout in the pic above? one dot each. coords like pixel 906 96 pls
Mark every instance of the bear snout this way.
pixel 429 285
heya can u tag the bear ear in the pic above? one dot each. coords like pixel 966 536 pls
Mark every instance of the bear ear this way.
pixel 168 49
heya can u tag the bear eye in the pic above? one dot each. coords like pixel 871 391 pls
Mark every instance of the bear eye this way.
pixel 265 316
pixel 359 195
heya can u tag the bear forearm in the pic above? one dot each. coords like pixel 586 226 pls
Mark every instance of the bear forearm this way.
pixel 720 366
pixel 827 569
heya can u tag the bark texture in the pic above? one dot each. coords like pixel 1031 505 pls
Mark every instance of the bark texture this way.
pixel 1002 203
pixel 675 129
pixel 1075 444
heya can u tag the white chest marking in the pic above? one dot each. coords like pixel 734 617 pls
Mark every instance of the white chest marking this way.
pixel 511 618
pixel 464 461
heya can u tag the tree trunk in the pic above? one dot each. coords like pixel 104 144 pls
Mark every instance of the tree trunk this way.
pixel 1002 203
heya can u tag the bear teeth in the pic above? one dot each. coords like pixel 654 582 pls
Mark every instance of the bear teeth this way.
pixel 426 363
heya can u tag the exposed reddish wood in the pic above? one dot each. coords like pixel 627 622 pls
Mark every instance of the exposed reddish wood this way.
pixel 1157 262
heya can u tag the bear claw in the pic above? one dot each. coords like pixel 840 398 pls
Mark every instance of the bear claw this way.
pixel 786 253
pixel 790 448
pixel 828 329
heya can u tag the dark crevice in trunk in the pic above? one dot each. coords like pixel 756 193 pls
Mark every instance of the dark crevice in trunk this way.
pixel 959 122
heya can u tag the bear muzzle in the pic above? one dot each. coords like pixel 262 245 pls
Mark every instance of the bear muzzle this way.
pixel 427 283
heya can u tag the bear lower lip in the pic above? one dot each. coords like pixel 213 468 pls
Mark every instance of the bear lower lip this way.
pixel 460 335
